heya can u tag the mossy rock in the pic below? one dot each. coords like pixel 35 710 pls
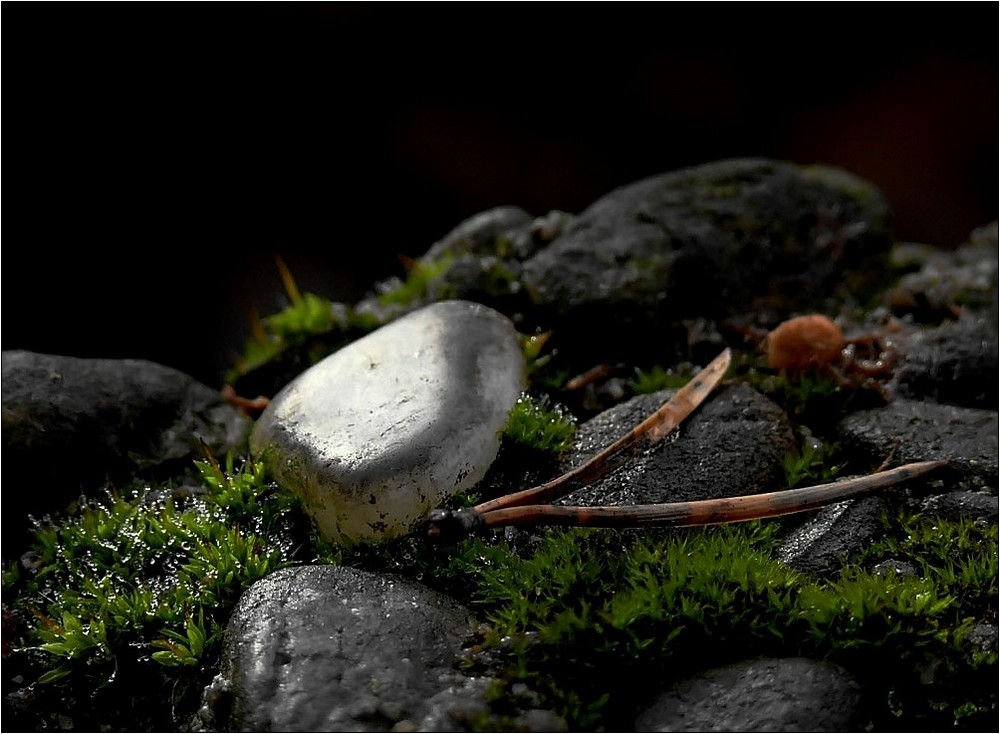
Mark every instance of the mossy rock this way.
pixel 716 240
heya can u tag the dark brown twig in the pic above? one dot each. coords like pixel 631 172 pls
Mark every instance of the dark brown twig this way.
pixel 712 511
pixel 648 433
pixel 527 508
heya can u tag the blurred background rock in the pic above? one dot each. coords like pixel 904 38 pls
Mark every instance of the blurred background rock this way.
pixel 158 156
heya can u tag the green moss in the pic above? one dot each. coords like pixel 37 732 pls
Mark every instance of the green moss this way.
pixel 815 400
pixel 543 373
pixel 811 465
pixel 133 592
pixel 657 378
pixel 306 316
pixel 805 397
pixel 144 587
pixel 308 329
pixel 129 597
pixel 597 613
pixel 960 554
pixel 418 281
pixel 533 423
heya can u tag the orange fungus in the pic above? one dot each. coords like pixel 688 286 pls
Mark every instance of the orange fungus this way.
pixel 805 342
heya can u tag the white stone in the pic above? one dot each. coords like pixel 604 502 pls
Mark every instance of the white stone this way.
pixel 382 431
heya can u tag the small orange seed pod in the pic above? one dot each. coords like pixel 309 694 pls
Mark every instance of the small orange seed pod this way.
pixel 803 343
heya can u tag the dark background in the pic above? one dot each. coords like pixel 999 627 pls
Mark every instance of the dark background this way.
pixel 158 155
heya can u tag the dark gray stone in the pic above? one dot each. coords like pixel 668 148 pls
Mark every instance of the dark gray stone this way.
pixel 766 695
pixel 919 431
pixel 466 707
pixel 505 231
pixel 822 544
pixel 709 241
pixel 479 260
pixel 483 256
pixel 329 648
pixel 735 444
pixel 962 505
pixel 69 424
pixel 902 569
pixel 984 636
pixel 946 282
pixel 954 363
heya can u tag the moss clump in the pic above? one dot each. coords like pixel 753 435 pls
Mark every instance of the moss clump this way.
pixel 309 328
pixel 419 278
pixel 534 424
pixel 811 465
pixel 131 594
pixel 128 599
pixel 604 620
pixel 309 316
pixel 956 553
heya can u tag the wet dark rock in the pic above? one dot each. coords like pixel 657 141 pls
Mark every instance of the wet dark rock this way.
pixel 329 648
pixel 460 707
pixel 505 231
pixel 466 707
pixel 734 444
pixel 920 431
pixel 479 260
pixel 540 720
pixel 782 694
pixel 70 424
pixel 482 258
pixel 962 505
pixel 709 241
pixel 957 363
pixel 901 569
pixel 821 544
pixel 984 636
pixel 946 282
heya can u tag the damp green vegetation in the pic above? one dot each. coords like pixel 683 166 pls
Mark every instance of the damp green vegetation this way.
pixel 132 592
pixel 416 286
pixel 657 378
pixel 538 434
pixel 124 603
pixel 952 552
pixel 812 399
pixel 535 423
pixel 309 316
pixel 804 397
pixel 317 326
pixel 310 323
pixel 599 621
pixel 811 465
pixel 137 586
pixel 544 374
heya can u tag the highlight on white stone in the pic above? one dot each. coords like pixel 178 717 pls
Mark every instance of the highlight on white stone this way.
pixel 385 429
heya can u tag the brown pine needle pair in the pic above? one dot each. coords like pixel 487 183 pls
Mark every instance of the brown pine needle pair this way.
pixel 530 506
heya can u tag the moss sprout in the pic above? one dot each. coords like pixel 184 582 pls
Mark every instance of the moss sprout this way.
pixel 534 423
pixel 811 465
pixel 312 324
pixel 657 378
pixel 419 276
pixel 597 613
